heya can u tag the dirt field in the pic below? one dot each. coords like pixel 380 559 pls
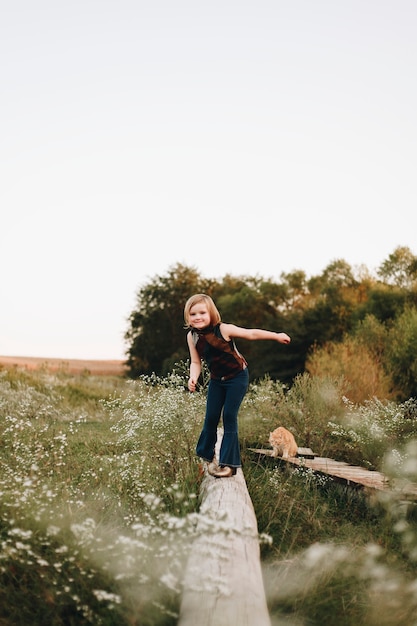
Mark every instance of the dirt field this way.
pixel 72 366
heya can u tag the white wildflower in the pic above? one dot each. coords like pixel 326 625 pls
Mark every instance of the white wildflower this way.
pixel 105 596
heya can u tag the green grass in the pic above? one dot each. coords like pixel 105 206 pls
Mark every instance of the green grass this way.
pixel 99 489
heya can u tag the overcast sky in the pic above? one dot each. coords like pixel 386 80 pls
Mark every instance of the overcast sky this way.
pixel 252 138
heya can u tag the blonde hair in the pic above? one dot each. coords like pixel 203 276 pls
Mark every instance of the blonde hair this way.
pixel 212 309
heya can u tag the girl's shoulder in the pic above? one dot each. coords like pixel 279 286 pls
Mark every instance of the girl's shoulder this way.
pixel 225 330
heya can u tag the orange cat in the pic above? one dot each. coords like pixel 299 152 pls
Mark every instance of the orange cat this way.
pixel 283 443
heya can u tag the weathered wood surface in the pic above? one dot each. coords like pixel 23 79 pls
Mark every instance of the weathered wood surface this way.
pixel 349 474
pixel 306 453
pixel 336 469
pixel 223 584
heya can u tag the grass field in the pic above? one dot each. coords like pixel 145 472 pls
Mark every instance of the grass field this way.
pixel 99 497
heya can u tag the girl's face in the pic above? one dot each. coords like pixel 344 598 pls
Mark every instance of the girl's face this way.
pixel 199 315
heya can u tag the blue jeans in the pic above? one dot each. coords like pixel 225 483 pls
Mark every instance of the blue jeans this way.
pixel 226 395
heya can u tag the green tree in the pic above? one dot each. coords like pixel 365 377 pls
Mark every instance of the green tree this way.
pixel 384 302
pixel 387 298
pixel 319 311
pixel 400 268
pixel 329 307
pixel 372 333
pixel 401 353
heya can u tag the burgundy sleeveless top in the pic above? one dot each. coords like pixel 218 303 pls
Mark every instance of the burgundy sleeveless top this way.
pixel 222 357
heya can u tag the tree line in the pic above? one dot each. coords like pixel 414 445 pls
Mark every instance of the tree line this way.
pixel 344 323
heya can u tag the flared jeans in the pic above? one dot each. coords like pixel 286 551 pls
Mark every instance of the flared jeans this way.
pixel 226 396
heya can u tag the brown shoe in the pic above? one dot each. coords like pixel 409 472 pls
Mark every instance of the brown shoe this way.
pixel 225 472
pixel 213 467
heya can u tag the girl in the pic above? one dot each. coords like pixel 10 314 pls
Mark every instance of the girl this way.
pixel 212 340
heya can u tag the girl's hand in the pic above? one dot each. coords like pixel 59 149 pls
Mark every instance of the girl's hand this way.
pixel 283 338
pixel 191 384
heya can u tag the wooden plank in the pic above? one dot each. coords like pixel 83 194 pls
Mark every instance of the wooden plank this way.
pixel 307 453
pixel 223 582
pixel 337 469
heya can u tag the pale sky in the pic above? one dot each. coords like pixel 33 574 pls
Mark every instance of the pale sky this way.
pixel 249 137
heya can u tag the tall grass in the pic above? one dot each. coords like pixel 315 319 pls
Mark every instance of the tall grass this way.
pixel 338 555
pixel 99 501
pixel 95 496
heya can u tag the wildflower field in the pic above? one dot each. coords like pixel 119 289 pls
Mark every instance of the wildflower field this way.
pixel 99 501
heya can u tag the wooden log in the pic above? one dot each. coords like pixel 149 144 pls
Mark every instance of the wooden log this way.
pixel 223 582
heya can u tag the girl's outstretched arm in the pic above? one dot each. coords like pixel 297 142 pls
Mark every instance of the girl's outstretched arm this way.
pixel 253 334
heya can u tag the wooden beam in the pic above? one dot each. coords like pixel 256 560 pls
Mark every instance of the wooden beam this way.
pixel 223 582
pixel 337 470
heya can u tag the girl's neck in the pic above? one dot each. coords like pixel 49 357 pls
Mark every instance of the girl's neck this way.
pixel 205 330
